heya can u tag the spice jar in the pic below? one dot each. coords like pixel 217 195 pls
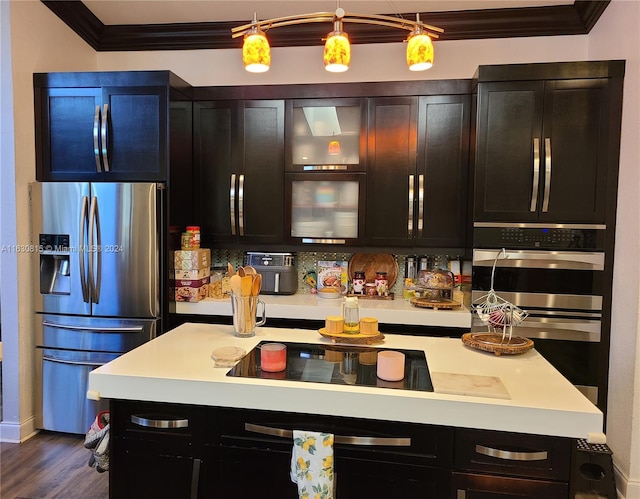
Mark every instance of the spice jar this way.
pixel 382 284
pixel 194 233
pixel 358 282
pixel 370 289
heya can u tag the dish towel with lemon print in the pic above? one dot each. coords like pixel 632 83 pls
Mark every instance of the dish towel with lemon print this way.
pixel 312 464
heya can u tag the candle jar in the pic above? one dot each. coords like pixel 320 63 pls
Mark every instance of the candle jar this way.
pixel 370 289
pixel 273 357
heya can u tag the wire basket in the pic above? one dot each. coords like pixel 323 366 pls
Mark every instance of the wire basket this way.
pixel 497 313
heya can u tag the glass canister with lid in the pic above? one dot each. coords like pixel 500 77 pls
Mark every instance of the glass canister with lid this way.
pixel 382 283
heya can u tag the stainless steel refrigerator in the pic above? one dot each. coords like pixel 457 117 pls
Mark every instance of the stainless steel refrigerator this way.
pixel 97 287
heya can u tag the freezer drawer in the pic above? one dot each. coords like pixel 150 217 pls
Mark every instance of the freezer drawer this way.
pixel 93 333
pixel 63 378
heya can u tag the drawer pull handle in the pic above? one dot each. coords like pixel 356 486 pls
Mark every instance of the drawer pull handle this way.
pixel 159 423
pixel 512 455
pixel 338 439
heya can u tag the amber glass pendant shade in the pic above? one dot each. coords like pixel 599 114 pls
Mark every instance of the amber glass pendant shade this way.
pixel 256 53
pixel 337 52
pixel 334 148
pixel 419 51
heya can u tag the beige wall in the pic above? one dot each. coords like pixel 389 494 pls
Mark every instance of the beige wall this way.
pixel 615 37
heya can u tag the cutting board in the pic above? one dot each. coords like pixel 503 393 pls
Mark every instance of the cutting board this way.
pixel 370 263
pixel 473 385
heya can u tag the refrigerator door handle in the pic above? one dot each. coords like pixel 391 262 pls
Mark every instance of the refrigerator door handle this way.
pixel 96 139
pixel 105 145
pixel 82 249
pixel 137 329
pixel 71 362
pixel 95 251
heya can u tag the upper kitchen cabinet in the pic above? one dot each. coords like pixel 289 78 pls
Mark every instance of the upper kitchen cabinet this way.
pixel 239 159
pixel 105 126
pixel 326 134
pixel 548 142
pixel 417 171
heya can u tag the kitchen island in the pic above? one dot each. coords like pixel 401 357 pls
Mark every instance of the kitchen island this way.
pixel 541 415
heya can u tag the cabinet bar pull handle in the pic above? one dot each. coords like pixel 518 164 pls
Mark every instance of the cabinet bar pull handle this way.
pixel 241 204
pixel 536 174
pixel 547 174
pixel 410 213
pixel 96 140
pixel 338 439
pixel 511 455
pixel 195 478
pixel 82 254
pixel 159 423
pixel 105 145
pixel 232 203
pixel 316 240
pixel 420 203
pixel 46 358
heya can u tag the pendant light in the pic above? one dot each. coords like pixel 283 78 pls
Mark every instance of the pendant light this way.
pixel 337 50
pixel 256 53
pixel 419 49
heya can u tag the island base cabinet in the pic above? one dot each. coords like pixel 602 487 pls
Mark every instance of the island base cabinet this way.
pixel 476 486
pixel 264 473
pixel 150 469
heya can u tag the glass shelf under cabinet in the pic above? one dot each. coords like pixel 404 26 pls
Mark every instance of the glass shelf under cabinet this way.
pixel 326 134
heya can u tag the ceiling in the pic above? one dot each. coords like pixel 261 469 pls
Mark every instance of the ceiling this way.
pixel 118 25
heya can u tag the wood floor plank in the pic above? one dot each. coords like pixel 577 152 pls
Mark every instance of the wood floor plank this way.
pixel 50 466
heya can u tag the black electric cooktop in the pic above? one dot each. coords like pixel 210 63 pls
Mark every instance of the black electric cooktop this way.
pixel 338 365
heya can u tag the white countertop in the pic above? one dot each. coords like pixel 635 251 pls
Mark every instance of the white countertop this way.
pixel 308 306
pixel 177 368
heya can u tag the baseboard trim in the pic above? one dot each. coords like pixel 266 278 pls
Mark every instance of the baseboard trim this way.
pixel 627 489
pixel 17 432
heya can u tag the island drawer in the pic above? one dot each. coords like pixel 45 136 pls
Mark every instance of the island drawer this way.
pixel 391 441
pixel 514 454
pixel 157 421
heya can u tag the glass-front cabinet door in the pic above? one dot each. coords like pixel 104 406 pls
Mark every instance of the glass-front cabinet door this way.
pixel 326 134
pixel 325 208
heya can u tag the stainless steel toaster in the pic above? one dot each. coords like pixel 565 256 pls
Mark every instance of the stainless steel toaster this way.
pixel 278 271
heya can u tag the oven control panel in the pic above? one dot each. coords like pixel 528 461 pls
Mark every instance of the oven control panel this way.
pixel 546 238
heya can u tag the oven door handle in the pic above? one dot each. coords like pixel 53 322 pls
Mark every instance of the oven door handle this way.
pixel 541 259
pixel 338 439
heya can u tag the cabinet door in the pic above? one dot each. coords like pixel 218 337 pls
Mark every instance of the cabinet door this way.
pixel 214 126
pixel 575 145
pixel 66 120
pixel 442 173
pixel 508 151
pixel 472 486
pixel 391 171
pixel 137 135
pixel 260 210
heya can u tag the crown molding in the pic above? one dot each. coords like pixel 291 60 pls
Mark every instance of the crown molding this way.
pixel 576 19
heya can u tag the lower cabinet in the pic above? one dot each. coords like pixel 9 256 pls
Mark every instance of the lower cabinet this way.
pixel 178 451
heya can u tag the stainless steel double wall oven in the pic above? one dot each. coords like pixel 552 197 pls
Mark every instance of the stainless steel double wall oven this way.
pixel 558 274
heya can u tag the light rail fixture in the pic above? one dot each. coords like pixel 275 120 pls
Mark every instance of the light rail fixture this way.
pixel 256 53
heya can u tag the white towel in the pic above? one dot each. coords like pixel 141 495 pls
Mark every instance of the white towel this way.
pixel 312 464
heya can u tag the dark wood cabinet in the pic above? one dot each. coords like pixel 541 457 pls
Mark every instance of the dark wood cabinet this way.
pixel 174 450
pixel 239 161
pixel 104 126
pixel 156 450
pixel 417 171
pixel 546 147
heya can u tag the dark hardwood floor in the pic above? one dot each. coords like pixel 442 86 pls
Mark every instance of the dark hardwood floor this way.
pixel 50 465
